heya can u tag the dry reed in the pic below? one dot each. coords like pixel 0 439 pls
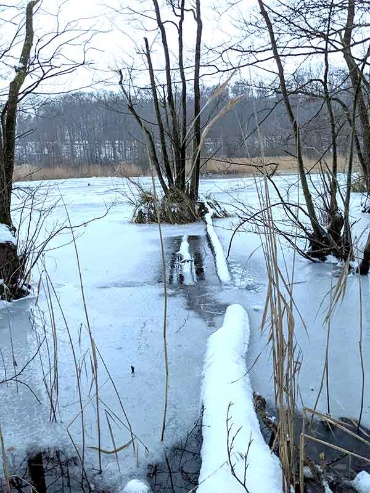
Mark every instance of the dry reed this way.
pixel 215 166
pixel 34 173
pixel 258 165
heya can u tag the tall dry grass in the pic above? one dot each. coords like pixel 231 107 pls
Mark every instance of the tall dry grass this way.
pixel 281 310
pixel 33 173
pixel 279 320
pixel 216 166
pixel 279 164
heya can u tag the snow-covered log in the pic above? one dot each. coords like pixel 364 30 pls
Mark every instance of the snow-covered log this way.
pixel 221 264
pixel 233 451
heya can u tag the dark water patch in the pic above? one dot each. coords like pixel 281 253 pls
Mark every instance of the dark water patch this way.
pixel 47 471
pixel 338 466
pixel 324 463
pixel 176 263
pixel 199 268
pixel 205 305
pixel 200 293
pixel 179 470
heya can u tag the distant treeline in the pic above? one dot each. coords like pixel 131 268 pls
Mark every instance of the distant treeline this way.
pixel 83 128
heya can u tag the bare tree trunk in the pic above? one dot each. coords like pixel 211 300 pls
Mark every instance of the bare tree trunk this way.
pixel 10 263
pixel 365 263
pixel 9 119
pixel 176 140
pixel 194 186
pixel 176 137
pixel 333 134
pixel 149 135
pixel 356 78
pixel 182 176
pixel 162 134
pixel 317 237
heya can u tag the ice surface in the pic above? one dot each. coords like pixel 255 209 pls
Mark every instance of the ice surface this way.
pixel 230 426
pixel 24 415
pixel 122 277
pixel 313 285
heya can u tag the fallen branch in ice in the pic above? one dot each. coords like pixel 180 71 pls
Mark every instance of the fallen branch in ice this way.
pixel 186 262
pixel 118 449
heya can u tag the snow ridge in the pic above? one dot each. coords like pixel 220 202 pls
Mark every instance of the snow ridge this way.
pixel 221 264
pixel 228 404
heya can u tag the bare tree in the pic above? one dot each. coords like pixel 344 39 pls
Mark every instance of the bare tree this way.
pixel 38 62
pixel 360 85
pixel 173 139
pixel 309 34
pixel 9 118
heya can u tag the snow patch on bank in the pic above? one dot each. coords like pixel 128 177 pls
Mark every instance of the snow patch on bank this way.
pixel 227 397
pixel 6 236
pixel 221 264
pixel 361 483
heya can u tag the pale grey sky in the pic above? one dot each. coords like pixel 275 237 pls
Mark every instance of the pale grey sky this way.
pixel 118 37
pixel 121 36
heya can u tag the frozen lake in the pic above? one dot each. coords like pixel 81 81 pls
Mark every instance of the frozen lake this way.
pixel 74 340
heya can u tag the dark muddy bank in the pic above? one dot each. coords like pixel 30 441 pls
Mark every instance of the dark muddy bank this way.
pixel 178 470
pixel 331 459
pixel 333 454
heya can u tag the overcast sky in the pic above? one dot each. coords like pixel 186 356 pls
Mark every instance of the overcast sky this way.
pixel 113 45
pixel 116 37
